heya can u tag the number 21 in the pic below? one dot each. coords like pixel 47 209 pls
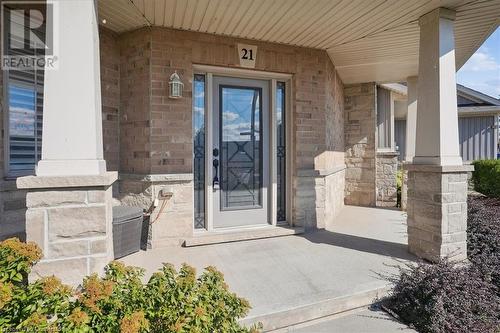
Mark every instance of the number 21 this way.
pixel 247 54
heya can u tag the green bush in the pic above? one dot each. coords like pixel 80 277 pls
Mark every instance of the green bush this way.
pixel 399 186
pixel 486 177
pixel 119 301
pixel 444 298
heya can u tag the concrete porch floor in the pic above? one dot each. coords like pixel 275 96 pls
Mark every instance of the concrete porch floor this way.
pixel 298 278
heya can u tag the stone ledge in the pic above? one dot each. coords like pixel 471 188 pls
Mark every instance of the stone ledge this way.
pixel 168 177
pixel 215 237
pixel 322 172
pixel 301 314
pixel 387 153
pixel 438 168
pixel 41 182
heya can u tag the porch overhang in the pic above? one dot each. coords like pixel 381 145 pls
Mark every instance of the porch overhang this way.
pixel 376 41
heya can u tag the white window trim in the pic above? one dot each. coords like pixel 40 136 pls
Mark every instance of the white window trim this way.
pixel 392 140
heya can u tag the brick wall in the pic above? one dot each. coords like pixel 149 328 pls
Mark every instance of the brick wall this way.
pixel 360 119
pixel 110 94
pixel 174 50
pixel 147 133
pixel 317 108
pixel 135 91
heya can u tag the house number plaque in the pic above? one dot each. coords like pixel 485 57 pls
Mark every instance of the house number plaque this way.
pixel 247 55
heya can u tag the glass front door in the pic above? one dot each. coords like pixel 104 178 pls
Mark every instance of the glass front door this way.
pixel 240 156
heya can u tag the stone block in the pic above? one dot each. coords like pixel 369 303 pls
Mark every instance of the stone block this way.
pixel 67 249
pixel 35 227
pixel 454 208
pixel 77 222
pixel 98 246
pixel 54 198
pixel 455 223
pixel 70 271
pixel 97 264
pixel 96 196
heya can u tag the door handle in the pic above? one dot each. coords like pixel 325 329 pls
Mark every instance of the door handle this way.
pixel 215 182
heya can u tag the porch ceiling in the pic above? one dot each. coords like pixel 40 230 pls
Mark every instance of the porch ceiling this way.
pixel 373 40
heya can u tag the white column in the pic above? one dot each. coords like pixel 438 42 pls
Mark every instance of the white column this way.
pixel 411 118
pixel 437 116
pixel 437 179
pixel 72 124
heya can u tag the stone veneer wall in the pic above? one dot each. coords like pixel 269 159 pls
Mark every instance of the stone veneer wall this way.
pixel 437 211
pixel 360 124
pixel 70 218
pixel 386 173
pixel 404 188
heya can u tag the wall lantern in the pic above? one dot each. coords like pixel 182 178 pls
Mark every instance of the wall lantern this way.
pixel 175 86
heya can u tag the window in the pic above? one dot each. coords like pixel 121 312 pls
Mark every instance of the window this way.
pixel 385 120
pixel 199 150
pixel 281 150
pixel 23 91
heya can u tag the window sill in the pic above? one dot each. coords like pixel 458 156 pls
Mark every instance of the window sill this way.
pixel 387 153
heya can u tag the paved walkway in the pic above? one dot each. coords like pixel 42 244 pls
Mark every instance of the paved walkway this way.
pixel 360 321
pixel 300 275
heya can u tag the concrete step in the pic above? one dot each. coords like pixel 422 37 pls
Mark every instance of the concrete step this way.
pixel 250 233
pixel 302 314
pixel 363 320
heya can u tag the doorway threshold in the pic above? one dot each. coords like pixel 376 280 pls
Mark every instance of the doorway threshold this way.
pixel 241 234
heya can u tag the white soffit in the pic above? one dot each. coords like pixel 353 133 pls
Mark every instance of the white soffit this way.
pixel 374 40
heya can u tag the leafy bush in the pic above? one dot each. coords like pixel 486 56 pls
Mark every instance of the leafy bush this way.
pixel 442 298
pixel 486 177
pixel 399 186
pixel 446 298
pixel 483 236
pixel 119 301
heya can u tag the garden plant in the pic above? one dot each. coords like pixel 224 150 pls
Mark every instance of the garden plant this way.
pixel 119 301
pixel 456 297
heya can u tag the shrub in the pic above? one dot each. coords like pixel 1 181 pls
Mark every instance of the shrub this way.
pixel 486 177
pixel 483 236
pixel 399 186
pixel 119 301
pixel 441 298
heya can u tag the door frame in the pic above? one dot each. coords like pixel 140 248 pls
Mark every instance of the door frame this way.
pixel 272 77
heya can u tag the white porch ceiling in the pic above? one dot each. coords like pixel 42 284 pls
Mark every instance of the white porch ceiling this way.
pixel 374 40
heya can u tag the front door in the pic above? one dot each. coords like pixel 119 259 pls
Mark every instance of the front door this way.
pixel 240 152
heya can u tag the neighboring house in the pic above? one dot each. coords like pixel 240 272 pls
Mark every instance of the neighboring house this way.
pixel 477 125
pixel 231 119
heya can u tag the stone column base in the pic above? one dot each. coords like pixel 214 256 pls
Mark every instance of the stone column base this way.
pixel 70 218
pixel 386 175
pixel 437 211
